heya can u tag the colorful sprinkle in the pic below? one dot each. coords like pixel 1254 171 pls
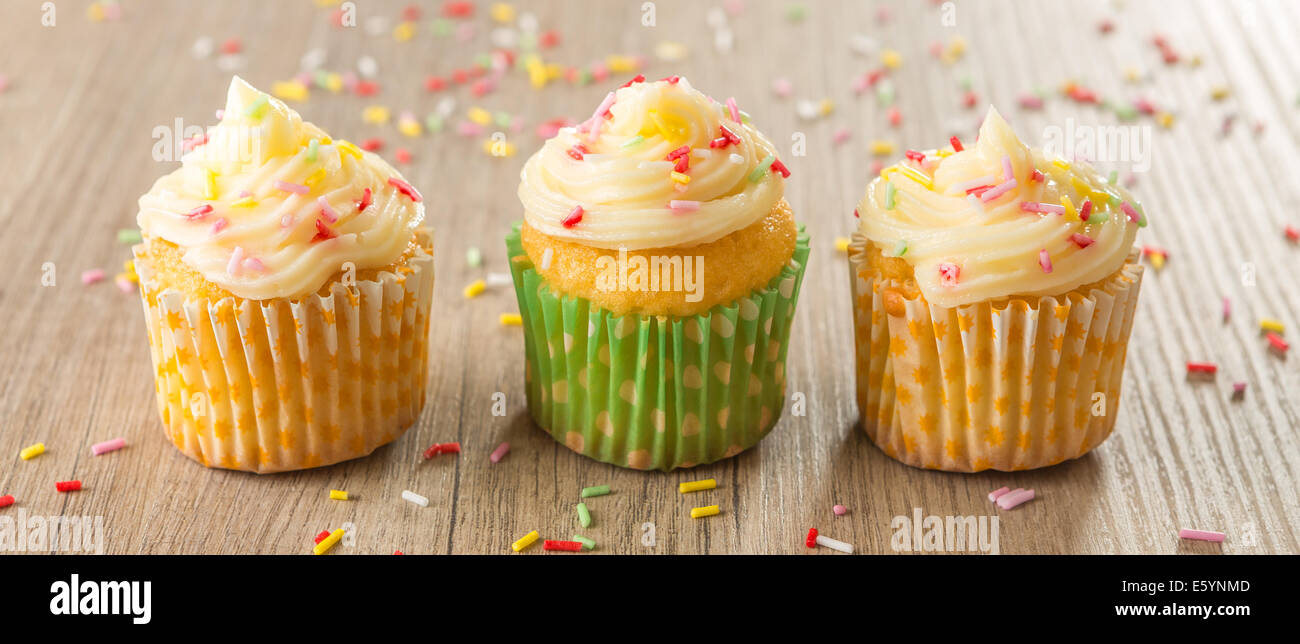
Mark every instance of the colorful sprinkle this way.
pixel 421 501
pixel 67 486
pixel 839 510
pixel 706 511
pixel 328 542
pixel 511 319
pixel 595 490
pixel 406 189
pixel 834 544
pixel 107 446
pixel 290 187
pixel 525 541
pixel 587 544
pixel 1014 498
pixel 1277 342
pixel 6 500
pixel 475 289
pixel 565 546
pixel 338 495
pixel 1270 324
pixel 1201 535
pixel 32 451
pixel 499 453
pixel 696 486
pixel 1045 260
pixel 574 217
pixel 584 515
pixel 1207 368
pixel 92 276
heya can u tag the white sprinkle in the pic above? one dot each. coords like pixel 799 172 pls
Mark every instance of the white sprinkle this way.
pixel 236 260
pixel 202 48
pixel 499 279
pixel 367 67
pixel 312 60
pixel 807 110
pixel 863 45
pixel 504 37
pixel 377 25
pixel 546 259
pixel 736 159
pixel 528 22
pixel 722 40
pixel 834 544
pixel 415 498
pixel 445 107
pixel 716 18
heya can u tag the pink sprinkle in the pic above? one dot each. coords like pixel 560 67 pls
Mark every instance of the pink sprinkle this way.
pixel 998 190
pixel 966 186
pixel 290 187
pixel 684 205
pixel 993 496
pixel 1238 389
pixel 108 446
pixel 199 211
pixel 948 274
pixel 286 221
pixel 1035 206
pixel 782 87
pixel 1128 210
pixel 732 109
pixel 236 259
pixel 331 215
pixel 1014 498
pixel 219 225
pixel 91 276
pixel 1045 260
pixel 1201 535
pixel 1227 309
pixel 221 114
pixel 125 285
pixel 1031 102
pixel 499 453
pixel 598 117
pixel 1083 241
pixel 406 189
pixel 839 510
pixel 469 128
pixel 841 135
pixel 254 264
pixel 1007 173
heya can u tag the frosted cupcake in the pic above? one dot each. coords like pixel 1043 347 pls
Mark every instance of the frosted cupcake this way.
pixel 657 269
pixel 994 291
pixel 286 281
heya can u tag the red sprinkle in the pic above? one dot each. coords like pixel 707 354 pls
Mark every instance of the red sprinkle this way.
pixel 639 78
pixel 1292 233
pixel 574 217
pixel 402 155
pixel 372 145
pixel 780 167
pixel 549 39
pixel 232 46
pixel 577 152
pixel 969 99
pixel 441 448
pixel 321 537
pixel 895 116
pixel 956 144
pixel 405 188
pixel 1083 241
pixel 949 273
pixel 913 155
pixel 365 201
pixel 323 232
pixel 398 552
pixel 685 149
pixel 458 9
pixel 671 80
pixel 1202 367
pixel 195 141
pixel 731 136
pixel 567 546
pixel 720 142
pixel 366 88
pixel 198 213
pixel 1277 342
pixel 434 83
pixel 411 13
pixel 683 163
pixel 1037 175
pixel 1085 209
pixel 6 500
pixel 856 215
pixel 67 486
pixel 811 541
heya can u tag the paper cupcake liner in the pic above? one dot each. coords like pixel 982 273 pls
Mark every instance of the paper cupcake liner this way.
pixel 1010 385
pixel 651 392
pixel 276 385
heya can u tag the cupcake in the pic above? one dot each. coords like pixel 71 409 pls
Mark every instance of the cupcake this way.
pixel 286 281
pixel 994 291
pixel 657 269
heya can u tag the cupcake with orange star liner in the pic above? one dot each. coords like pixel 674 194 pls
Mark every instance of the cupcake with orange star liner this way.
pixel 657 269
pixel 994 291
pixel 286 279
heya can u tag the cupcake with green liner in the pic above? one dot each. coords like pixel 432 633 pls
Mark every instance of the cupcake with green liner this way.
pixel 657 270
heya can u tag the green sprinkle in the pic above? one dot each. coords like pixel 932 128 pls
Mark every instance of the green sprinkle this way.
pixel 636 140
pixel 584 515
pixel 901 248
pixel 744 117
pixel 585 77
pixel 502 119
pixel 433 123
pixel 474 256
pixel 1126 112
pixel 440 27
pixel 796 12
pixel 257 107
pixel 595 490
pixel 587 544
pixel 128 236
pixel 890 193
pixel 885 93
pixel 760 171
pixel 1142 215
pixel 527 41
pixel 483 60
pixel 1113 178
pixel 965 82
pixel 312 148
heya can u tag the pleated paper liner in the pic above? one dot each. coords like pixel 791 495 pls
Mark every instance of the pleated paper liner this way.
pixel 650 392
pixel 276 385
pixel 1010 385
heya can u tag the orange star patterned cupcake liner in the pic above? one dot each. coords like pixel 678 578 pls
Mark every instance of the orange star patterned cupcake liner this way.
pixel 1015 384
pixel 286 384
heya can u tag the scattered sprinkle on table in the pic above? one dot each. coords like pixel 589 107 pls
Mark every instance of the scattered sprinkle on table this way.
pixel 525 541
pixel 1201 535
pixel 995 494
pixel 499 453
pixel 511 319
pixel 92 276
pixel 595 490
pixel 1277 342
pixel 566 546
pixel 328 542
pixel 811 540
pixel 706 511
pixel 834 544
pixel 839 510
pixel 32 451
pixel 8 500
pixel 324 534
pixel 1271 324
pixel 339 495
pixel 67 486
pixel 1014 498
pixel 1238 390
pixel 842 244
pixel 475 289
pixel 1207 368
pixel 107 446
pixel 473 256
pixel 415 498
pixel 587 544
pixel 584 515
pixel 696 486
pixel 441 448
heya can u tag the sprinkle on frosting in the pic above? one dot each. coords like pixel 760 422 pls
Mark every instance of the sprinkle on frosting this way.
pixel 996 219
pixel 267 184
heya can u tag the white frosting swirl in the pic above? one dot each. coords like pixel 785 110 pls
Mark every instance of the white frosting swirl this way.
pixel 260 239
pixel 624 181
pixel 996 246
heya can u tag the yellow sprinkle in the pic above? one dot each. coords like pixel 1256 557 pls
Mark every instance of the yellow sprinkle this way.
pixel 706 511
pixel 404 31
pixel 882 148
pixel 511 319
pixel 1070 213
pixel 325 140
pixel 328 542
pixel 696 486
pixel 955 50
pixel 338 495
pixel 498 148
pixel 314 178
pixel 826 107
pixel 891 59
pixel 915 175
pixel 1165 120
pixel 1132 74
pixel 376 114
pixel 842 244
pixel 130 277
pixel 942 152
pixel 334 82
pixel 1061 163
pixel 537 76
pixel 210 190
pixel 660 126
pixel 502 12
pixel 479 116
pixel 1157 261
pixel 32 451
pixel 290 91
pixel 129 266
pixel 621 64
pixel 475 289
pixel 1270 324
pixel 95 12
pixel 525 541
pixel 554 71
pixel 245 202
pixel 348 147
pixel 680 178
pixel 410 128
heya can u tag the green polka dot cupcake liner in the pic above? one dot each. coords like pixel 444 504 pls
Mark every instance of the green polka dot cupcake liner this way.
pixel 651 392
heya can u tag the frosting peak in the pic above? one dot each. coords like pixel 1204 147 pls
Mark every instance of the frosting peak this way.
pixel 657 165
pixel 998 219
pixel 267 205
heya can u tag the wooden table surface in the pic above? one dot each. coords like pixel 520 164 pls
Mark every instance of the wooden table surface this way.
pixel 84 97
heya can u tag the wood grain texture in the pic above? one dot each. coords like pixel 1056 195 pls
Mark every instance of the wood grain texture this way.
pixel 75 130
